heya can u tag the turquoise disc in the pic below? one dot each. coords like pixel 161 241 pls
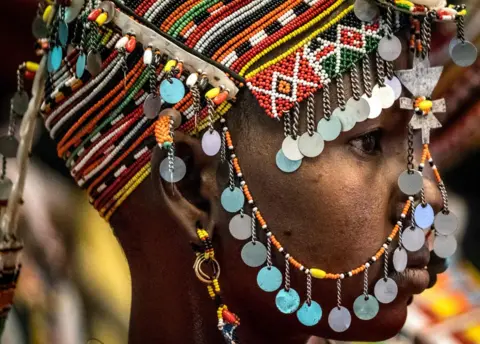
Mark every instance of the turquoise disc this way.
pixel 285 164
pixel 309 315
pixel 63 33
pixel 287 301
pixel 80 66
pixel 56 57
pixel 232 201
pixel 172 92
pixel 269 279
pixel 366 309
pixel 424 216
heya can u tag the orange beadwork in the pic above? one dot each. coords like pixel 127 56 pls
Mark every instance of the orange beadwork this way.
pixel 162 131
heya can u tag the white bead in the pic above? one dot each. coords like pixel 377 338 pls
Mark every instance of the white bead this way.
pixel 121 43
pixel 255 209
pixel 367 265
pixel 374 259
pixel 349 274
pixel 342 276
pixel 147 56
pixel 192 80
pixel 242 183
pixel 287 255
pixel 410 198
pixel 264 227
pixel 400 223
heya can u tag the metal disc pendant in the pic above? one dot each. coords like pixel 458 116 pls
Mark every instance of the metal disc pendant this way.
pixel 366 307
pixel 396 86
pixel 94 63
pixel 240 226
pixel 254 254
pixel 286 165
pixel 390 48
pixel 80 65
pixel 109 8
pixel 174 114
pixel 464 54
pixel 330 128
pixel 375 106
pixel 269 279
pixel 39 28
pixel 290 149
pixel 211 142
pixel 360 108
pixel 232 200
pixel 178 173
pixel 310 315
pixel 63 33
pixel 152 106
pixel 55 57
pixel 385 94
pixel 446 224
pixel 410 183
pixel 386 290
pixel 413 239
pixel 287 302
pixel 6 186
pixel 8 146
pixel 20 102
pixel 424 216
pixel 366 10
pixel 444 246
pixel 339 319
pixel 347 117
pixel 172 91
pixel 452 44
pixel 400 259
pixel 72 11
pixel 311 146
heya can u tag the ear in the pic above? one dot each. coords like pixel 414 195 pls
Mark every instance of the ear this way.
pixel 194 199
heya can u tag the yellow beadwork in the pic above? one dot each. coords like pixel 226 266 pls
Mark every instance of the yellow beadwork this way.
pixel 317 273
pixel 169 65
pixel 212 93
pixel 425 105
pixel 47 14
pixel 107 37
pixel 101 19
pixel 220 111
pixel 31 66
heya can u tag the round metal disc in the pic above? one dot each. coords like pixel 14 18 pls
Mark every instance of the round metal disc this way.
pixel 109 7
pixel 94 63
pixel 290 149
pixel 8 146
pixel 386 290
pixel 152 105
pixel 375 106
pixel 413 239
pixel 396 86
pixel 385 94
pixel 172 91
pixel 72 11
pixel 360 108
pixel 347 117
pixel 452 44
pixel 446 224
pixel 240 227
pixel 390 48
pixel 424 216
pixel 464 54
pixel 410 184
pixel 309 315
pixel 366 307
pixel 20 102
pixel 211 142
pixel 254 254
pixel 366 10
pixel 63 33
pixel 330 128
pixel 339 319
pixel 311 146
pixel 55 55
pixel 39 28
pixel 269 279
pixel 80 65
pixel 232 200
pixel 286 165
pixel 174 114
pixel 6 186
pixel 287 301
pixel 179 170
pixel 400 259
pixel 444 246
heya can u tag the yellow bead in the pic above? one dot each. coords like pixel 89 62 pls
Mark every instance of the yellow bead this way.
pixel 47 14
pixel 169 65
pixel 101 19
pixel 425 105
pixel 317 273
pixel 31 66
pixel 212 93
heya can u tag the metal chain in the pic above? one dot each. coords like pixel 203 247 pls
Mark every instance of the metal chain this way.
pixel 223 148
pixel 461 28
pixel 426 33
pixel 389 22
pixel 153 79
pixel 171 152
pixel 327 110
pixel 253 227
pixel 339 293
pixel 196 104
pixel 211 112
pixel 410 150
pixel 309 289
pixel 231 175
pixel 367 77
pixel 400 236
pixel 443 191
pixel 20 79
pixel 355 79
pixel 340 92
pixel 380 70
pixel 269 252
pixel 287 125
pixel 311 114
pixel 412 215
pixel 385 264
pixel 12 124
pixel 296 120
pixel 287 274
pixel 365 283
pixel 389 65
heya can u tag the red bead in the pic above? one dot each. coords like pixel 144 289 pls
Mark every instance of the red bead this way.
pixel 220 98
pixel 131 44
pixel 29 75
pixel 229 317
pixel 94 14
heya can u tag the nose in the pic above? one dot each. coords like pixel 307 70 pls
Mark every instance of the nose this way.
pixel 433 195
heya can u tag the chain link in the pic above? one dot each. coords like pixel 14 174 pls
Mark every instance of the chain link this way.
pixel 444 194
pixel 410 150
pixel 367 77
pixel 253 227
pixel 211 113
pixel 296 120
pixel 380 70
pixel 339 293
pixel 426 33
pixel 340 92
pixel 287 125
pixel 365 283
pixel 309 289
pixel 460 28
pixel 311 114
pixel 269 252
pixel 327 110
pixel 287 274
pixel 355 79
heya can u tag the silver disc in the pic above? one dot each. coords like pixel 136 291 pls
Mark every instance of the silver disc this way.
pixel 6 186
pixel 375 106
pixel 424 216
pixel 241 227
pixel 366 307
pixel 446 224
pixel 211 142
pixel 311 146
pixel 366 10
pixel 232 199
pixel 20 102
pixel 444 246
pixel 400 259
pixel 94 63
pixel 390 48
pixel 386 290
pixel 330 128
pixel 339 319
pixel 286 165
pixel 360 107
pixel 178 172
pixel 254 254
pixel 346 117
pixel 39 28
pixel 396 86
pixel 8 146
pixel 290 149
pixel 72 11
pixel 464 54
pixel 410 184
pixel 109 7
pixel 152 106
pixel 413 239
pixel 385 94
pixel 452 44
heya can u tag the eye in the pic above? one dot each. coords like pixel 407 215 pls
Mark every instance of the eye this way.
pixel 368 143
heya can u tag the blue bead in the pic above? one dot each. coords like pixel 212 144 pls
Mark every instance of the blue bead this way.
pixel 269 278
pixel 287 301
pixel 55 56
pixel 309 315
pixel 232 200
pixel 286 165
pixel 63 33
pixel 424 216
pixel 80 66
pixel 172 91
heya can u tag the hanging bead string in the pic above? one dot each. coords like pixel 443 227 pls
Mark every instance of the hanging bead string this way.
pixel 327 111
pixel 339 293
pixel 311 114
pixel 253 226
pixel 380 70
pixel 296 120
pixel 340 92
pixel 355 79
pixel 367 78
pixel 365 283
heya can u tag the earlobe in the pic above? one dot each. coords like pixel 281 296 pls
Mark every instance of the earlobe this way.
pixel 193 199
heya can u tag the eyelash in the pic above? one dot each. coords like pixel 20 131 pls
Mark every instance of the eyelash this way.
pixel 372 137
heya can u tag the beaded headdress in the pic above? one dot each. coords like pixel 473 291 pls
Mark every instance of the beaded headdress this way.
pixel 120 77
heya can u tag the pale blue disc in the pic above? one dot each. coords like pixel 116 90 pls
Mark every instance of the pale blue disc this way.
pixel 56 57
pixel 232 200
pixel 49 63
pixel 254 254
pixel 285 164
pixel 309 315
pixel 424 216
pixel 172 91
pixel 63 33
pixel 269 278
pixel 287 301
pixel 366 308
pixel 80 65
pixel 339 319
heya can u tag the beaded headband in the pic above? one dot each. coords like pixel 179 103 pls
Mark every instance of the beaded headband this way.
pixel 123 76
